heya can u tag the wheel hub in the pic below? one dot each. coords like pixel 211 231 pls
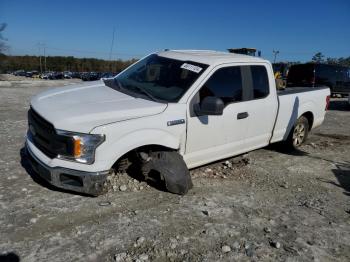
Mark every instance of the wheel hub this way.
pixel 299 134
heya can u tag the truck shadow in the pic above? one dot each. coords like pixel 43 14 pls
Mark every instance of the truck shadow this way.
pixel 342 174
pixel 341 170
pixel 37 179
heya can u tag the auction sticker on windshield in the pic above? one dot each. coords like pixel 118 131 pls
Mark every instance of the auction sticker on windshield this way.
pixel 192 68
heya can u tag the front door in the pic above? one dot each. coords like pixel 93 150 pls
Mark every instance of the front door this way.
pixel 210 138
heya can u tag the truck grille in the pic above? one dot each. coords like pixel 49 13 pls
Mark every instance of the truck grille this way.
pixel 42 132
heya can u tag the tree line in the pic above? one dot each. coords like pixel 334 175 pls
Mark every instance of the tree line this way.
pixel 61 63
pixel 320 58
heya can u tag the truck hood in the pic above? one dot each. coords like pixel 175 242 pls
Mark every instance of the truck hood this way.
pixel 80 108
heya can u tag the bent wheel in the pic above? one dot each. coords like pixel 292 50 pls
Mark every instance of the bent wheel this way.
pixel 171 168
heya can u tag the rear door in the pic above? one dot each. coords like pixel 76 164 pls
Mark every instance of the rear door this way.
pixel 262 106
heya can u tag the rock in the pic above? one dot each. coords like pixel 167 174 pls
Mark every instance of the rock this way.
pixel 310 242
pixel 275 244
pixel 267 230
pixel 183 252
pixel 120 257
pixel 205 212
pixel 173 242
pixel 209 171
pixel 143 257
pixel 249 251
pixel 123 188
pixel 285 185
pixel 228 164
pixel 140 240
pixel 33 220
pixel 236 245
pixel 299 189
pixel 225 249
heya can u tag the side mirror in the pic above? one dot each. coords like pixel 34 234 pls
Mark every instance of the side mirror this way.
pixel 211 105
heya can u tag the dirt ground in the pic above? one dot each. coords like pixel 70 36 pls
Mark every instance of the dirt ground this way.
pixel 267 205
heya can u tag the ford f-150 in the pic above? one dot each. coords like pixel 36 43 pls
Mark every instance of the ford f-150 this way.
pixel 171 111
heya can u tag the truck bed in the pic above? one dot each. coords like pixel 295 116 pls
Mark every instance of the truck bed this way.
pixel 296 101
pixel 294 90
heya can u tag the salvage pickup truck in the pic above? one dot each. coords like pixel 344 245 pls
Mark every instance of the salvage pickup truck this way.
pixel 169 112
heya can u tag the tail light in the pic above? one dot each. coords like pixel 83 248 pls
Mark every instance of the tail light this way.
pixel 328 98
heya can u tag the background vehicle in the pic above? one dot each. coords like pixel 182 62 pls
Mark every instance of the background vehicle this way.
pixel 90 76
pixel 337 78
pixel 107 75
pixel 168 112
pixel 280 71
pixel 67 75
pixel 19 73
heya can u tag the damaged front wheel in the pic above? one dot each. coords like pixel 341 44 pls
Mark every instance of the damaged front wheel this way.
pixel 167 167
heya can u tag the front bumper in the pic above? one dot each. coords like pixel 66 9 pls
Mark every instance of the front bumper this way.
pixel 91 183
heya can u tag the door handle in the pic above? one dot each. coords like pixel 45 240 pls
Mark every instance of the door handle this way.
pixel 242 115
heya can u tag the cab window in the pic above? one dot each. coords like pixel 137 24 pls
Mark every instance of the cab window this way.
pixel 225 83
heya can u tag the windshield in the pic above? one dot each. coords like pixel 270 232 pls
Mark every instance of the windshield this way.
pixel 158 78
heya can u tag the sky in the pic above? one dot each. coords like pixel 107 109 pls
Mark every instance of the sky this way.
pixel 297 29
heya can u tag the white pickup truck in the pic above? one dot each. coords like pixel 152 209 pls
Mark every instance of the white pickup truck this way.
pixel 169 112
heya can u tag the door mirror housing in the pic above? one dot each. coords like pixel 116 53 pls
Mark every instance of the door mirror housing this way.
pixel 211 105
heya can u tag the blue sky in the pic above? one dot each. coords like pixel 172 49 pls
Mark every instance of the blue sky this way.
pixel 298 29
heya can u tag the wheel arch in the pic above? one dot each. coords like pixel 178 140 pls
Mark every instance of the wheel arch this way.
pixel 310 118
pixel 141 140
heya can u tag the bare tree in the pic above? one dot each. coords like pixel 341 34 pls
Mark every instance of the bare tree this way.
pixel 3 45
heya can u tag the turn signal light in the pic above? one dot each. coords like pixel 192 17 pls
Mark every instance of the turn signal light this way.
pixel 77 147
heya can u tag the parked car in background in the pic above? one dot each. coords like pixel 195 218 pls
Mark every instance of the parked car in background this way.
pixel 67 74
pixel 107 75
pixel 76 74
pixel 90 76
pixel 31 73
pixel 19 73
pixel 337 78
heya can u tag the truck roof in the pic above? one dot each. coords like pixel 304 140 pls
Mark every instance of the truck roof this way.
pixel 208 57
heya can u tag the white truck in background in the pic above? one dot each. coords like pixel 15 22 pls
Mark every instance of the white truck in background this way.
pixel 169 112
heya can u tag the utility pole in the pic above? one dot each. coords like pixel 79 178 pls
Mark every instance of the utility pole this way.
pixel 275 53
pixel 112 43
pixel 39 47
pixel 45 56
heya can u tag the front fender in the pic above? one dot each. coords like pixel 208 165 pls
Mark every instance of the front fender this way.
pixel 116 149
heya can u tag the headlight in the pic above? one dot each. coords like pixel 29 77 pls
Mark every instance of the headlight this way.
pixel 83 146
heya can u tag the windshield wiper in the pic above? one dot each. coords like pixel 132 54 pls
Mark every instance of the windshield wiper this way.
pixel 143 91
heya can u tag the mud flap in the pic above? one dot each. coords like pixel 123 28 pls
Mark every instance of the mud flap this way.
pixel 171 168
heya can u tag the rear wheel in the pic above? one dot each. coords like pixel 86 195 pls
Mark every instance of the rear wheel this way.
pixel 299 133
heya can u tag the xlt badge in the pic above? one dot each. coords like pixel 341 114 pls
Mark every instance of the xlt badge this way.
pixel 176 122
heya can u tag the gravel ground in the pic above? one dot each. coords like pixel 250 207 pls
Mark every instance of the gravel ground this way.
pixel 266 205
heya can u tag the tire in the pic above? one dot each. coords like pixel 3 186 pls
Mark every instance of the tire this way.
pixel 170 168
pixel 299 133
